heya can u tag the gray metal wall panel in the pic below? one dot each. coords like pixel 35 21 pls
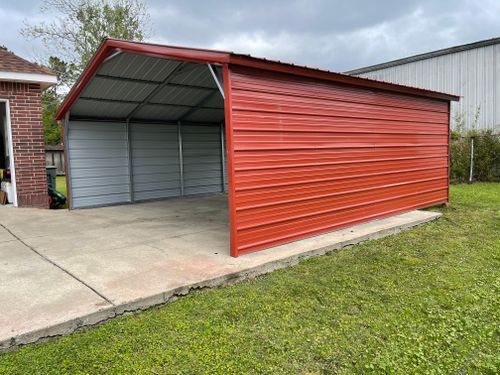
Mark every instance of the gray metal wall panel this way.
pixel 473 74
pixel 99 162
pixel 223 149
pixel 97 153
pixel 155 161
pixel 202 159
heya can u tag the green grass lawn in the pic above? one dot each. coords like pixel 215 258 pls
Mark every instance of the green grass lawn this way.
pixel 61 185
pixel 422 301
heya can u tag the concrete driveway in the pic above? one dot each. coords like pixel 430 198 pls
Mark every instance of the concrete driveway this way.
pixel 60 270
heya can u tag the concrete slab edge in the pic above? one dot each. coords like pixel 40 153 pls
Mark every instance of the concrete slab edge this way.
pixel 109 312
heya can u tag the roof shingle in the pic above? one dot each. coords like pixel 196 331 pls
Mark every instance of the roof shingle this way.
pixel 13 63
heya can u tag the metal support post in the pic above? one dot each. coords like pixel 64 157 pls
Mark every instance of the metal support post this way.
pixel 181 158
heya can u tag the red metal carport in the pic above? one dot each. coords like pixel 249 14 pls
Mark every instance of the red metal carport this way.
pixel 311 151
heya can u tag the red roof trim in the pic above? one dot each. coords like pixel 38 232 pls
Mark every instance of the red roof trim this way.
pixel 155 50
pixel 84 78
pixel 222 57
pixel 304 71
pixel 158 50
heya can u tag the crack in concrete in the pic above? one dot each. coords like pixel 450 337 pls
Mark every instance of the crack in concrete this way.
pixel 166 297
pixel 58 266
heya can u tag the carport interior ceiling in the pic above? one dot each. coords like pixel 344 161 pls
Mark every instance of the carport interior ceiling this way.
pixel 142 88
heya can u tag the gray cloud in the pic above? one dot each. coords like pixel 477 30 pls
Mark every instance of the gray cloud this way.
pixel 336 35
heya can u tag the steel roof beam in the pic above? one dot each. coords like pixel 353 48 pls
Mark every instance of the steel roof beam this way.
pixel 141 121
pixel 145 81
pixel 206 98
pixel 180 68
pixel 117 52
pixel 199 105
pixel 120 101
pixel 216 80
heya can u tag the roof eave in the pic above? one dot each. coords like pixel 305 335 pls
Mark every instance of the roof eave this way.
pixel 174 52
pixel 337 77
pixel 44 80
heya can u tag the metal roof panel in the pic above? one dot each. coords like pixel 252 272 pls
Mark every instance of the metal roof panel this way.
pixel 160 112
pixel 131 65
pixel 100 109
pixel 206 115
pixel 100 87
pixel 179 95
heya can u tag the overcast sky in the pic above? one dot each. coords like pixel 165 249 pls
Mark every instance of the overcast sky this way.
pixel 331 34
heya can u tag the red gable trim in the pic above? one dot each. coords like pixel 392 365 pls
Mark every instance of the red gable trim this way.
pixel 109 45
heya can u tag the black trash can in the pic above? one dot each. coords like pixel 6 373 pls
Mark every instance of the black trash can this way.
pixel 51 176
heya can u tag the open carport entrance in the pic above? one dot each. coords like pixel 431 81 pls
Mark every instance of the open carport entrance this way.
pixel 146 128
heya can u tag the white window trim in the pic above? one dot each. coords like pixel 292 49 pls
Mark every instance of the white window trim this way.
pixel 11 148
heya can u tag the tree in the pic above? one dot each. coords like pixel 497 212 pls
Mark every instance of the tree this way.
pixel 73 37
pixel 51 99
pixel 81 25
pixel 50 104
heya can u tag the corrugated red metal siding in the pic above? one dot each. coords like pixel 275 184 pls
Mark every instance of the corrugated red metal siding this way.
pixel 310 156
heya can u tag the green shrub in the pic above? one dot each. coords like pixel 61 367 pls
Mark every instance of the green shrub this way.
pixel 459 158
pixel 486 155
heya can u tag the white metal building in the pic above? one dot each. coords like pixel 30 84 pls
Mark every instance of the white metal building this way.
pixel 471 71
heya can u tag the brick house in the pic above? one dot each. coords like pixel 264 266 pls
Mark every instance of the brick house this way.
pixel 21 129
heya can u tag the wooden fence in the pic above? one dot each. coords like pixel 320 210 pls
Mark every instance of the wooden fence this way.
pixel 54 155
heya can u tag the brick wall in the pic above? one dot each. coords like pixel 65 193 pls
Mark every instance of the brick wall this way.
pixel 28 142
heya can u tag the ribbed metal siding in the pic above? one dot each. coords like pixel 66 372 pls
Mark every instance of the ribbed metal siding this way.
pixel 311 157
pixel 97 154
pixel 202 159
pixel 155 161
pixel 224 161
pixel 473 74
